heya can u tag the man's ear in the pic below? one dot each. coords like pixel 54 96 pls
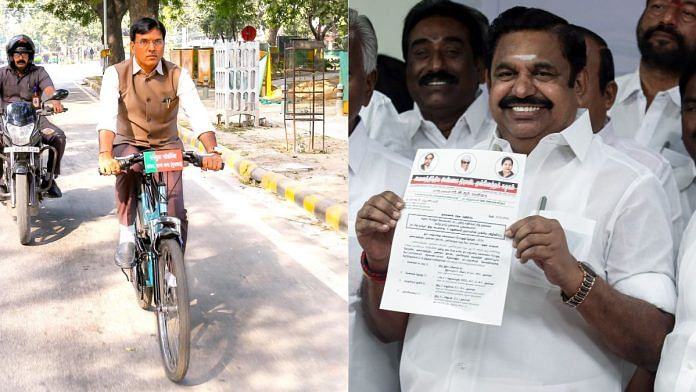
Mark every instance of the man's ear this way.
pixel 371 82
pixel 610 94
pixel 487 78
pixel 581 81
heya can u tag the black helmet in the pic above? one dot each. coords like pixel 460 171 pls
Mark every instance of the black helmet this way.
pixel 20 44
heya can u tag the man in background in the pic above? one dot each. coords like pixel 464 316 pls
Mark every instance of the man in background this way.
pixel 443 44
pixel 647 106
pixel 372 168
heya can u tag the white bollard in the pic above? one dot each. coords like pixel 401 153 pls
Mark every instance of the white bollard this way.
pixel 339 99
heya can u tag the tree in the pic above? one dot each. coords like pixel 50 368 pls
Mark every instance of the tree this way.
pixel 85 11
pixel 138 9
pixel 320 16
pixel 48 32
pixel 323 16
pixel 225 18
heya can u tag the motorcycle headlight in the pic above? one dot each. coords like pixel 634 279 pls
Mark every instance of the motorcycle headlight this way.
pixel 20 135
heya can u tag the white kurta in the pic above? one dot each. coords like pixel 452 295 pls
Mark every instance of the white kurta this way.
pixel 661 168
pixel 373 366
pixel 677 370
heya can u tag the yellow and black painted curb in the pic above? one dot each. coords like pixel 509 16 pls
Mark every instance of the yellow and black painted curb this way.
pixel 324 209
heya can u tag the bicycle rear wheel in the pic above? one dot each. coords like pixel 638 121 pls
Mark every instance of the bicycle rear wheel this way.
pixel 173 324
pixel 139 273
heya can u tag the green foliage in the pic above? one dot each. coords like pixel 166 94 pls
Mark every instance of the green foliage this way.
pixel 81 11
pixel 49 32
pixel 299 16
pixel 225 18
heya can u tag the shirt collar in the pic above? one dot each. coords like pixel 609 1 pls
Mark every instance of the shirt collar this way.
pixel 474 115
pixel 578 136
pixel 358 142
pixel 137 68
pixel 633 87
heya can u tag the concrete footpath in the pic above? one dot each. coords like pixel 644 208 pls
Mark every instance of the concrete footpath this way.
pixel 333 213
pixel 328 211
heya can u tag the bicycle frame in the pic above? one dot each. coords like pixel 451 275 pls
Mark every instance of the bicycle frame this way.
pixel 157 224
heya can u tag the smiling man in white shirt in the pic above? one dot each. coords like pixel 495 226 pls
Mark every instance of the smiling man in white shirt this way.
pixel 443 44
pixel 591 300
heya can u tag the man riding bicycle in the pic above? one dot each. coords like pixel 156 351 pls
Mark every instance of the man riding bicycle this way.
pixel 140 99
pixel 21 80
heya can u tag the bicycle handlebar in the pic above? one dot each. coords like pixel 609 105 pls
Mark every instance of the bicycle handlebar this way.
pixel 192 157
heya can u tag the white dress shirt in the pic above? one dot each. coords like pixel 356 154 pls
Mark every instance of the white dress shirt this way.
pixel 685 174
pixel 373 365
pixel 189 101
pixel 542 344
pixel 416 132
pixel 654 128
pixel 379 115
pixel 660 167
pixel 677 370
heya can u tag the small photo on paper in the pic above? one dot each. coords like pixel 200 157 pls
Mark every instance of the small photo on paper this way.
pixel 465 164
pixel 506 167
pixel 428 162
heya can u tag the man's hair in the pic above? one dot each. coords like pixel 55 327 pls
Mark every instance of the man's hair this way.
pixel 474 21
pixel 688 74
pixel 534 19
pixel 360 26
pixel 606 59
pixel 144 25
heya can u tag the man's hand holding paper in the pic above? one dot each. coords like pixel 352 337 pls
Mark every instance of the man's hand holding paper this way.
pixel 375 227
pixel 543 241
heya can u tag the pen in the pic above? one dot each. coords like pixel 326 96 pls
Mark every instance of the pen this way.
pixel 542 203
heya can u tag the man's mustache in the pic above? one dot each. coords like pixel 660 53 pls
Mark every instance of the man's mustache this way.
pixel 440 76
pixel 668 29
pixel 509 101
pixel 21 62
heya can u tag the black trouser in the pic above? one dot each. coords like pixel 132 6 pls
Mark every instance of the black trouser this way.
pixel 55 137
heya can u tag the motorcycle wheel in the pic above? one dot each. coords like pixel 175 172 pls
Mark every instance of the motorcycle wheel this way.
pixel 22 207
pixel 173 323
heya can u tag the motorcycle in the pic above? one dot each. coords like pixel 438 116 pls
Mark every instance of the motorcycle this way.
pixel 25 177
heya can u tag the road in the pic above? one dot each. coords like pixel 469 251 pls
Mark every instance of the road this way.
pixel 268 286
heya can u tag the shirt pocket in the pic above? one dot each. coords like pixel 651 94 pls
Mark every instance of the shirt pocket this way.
pixel 579 232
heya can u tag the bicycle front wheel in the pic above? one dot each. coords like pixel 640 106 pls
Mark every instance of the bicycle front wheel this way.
pixel 173 324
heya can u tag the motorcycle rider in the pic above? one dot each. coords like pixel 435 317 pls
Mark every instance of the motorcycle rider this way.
pixel 140 99
pixel 19 80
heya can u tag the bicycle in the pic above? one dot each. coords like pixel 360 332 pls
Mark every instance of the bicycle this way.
pixel 159 274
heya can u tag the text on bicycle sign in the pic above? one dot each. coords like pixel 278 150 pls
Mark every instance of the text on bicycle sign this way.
pixel 163 161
